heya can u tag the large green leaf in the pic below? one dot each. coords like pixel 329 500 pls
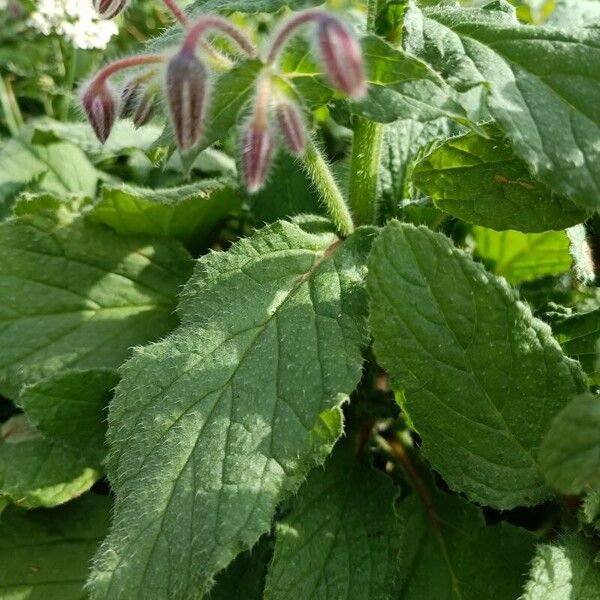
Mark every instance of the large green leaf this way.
pixel 570 14
pixel 59 168
pixel 543 86
pixel 448 552
pixel 523 256
pixel 188 213
pixel 35 471
pixel 570 455
pixel 567 569
pixel 249 6
pixel 90 293
pixel 478 179
pixel 71 407
pixel 45 553
pixel 578 334
pixel 482 378
pixel 213 426
pixel 341 537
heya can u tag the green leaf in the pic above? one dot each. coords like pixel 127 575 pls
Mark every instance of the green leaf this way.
pixel 188 213
pixel 401 143
pixel 249 6
pixel 564 570
pixel 91 294
pixel 448 553
pixel 213 426
pixel 45 553
pixel 341 537
pixel 523 256
pixel 482 378
pixel 543 86
pixel 58 168
pixel 71 408
pixel 478 179
pixel 35 471
pixel 570 14
pixel 570 454
pixel 578 334
pixel 124 137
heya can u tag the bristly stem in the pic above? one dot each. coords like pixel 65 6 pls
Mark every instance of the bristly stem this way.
pixel 5 104
pixel 366 155
pixel 126 63
pixel 177 12
pixel 71 72
pixel 205 23
pixel 320 173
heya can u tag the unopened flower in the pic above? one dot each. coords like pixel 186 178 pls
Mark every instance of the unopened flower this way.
pixel 130 95
pixel 144 108
pixel 291 127
pixel 99 105
pixel 341 57
pixel 109 9
pixel 257 154
pixel 187 95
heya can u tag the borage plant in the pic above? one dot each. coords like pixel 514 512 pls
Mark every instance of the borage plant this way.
pixel 353 404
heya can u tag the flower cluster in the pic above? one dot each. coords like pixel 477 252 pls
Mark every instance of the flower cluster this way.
pixel 277 115
pixel 74 20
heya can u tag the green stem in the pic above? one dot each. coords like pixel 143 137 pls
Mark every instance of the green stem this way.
pixel 321 175
pixel 366 155
pixel 70 73
pixel 9 116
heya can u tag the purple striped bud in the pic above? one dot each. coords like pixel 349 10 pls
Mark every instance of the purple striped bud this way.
pixel 257 154
pixel 342 58
pixel 291 127
pixel 99 106
pixel 130 95
pixel 108 9
pixel 187 94
pixel 144 109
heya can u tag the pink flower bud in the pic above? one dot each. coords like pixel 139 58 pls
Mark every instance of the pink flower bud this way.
pixel 341 56
pixel 144 109
pixel 108 9
pixel 99 106
pixel 257 154
pixel 130 95
pixel 187 94
pixel 291 127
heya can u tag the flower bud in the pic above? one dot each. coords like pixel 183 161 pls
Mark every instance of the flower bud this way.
pixel 291 127
pixel 187 95
pixel 108 9
pixel 257 154
pixel 342 58
pixel 144 109
pixel 130 95
pixel 99 106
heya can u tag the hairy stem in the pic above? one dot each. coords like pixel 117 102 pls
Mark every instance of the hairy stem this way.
pixel 206 23
pixel 366 155
pixel 177 12
pixel 126 63
pixel 321 175
pixel 5 103
pixel 284 34
pixel 70 59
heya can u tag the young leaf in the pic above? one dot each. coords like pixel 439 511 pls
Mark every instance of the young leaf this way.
pixel 482 378
pixel 91 294
pixel 570 454
pixel 448 553
pixel 58 168
pixel 188 213
pixel 523 256
pixel 578 334
pixel 564 570
pixel 543 86
pixel 45 553
pixel 71 407
pixel 213 426
pixel 35 471
pixel 478 179
pixel 341 538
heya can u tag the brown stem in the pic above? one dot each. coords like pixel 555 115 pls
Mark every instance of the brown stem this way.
pixel 126 63
pixel 211 22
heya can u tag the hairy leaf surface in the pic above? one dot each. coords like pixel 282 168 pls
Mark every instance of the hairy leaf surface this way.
pixel 543 86
pixel 45 553
pixel 570 454
pixel 565 570
pixel 341 538
pixel 478 179
pixel 210 428
pixel 482 378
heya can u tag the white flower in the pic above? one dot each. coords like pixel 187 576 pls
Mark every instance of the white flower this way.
pixel 75 20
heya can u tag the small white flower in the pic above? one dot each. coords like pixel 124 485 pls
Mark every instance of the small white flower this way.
pixel 74 20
